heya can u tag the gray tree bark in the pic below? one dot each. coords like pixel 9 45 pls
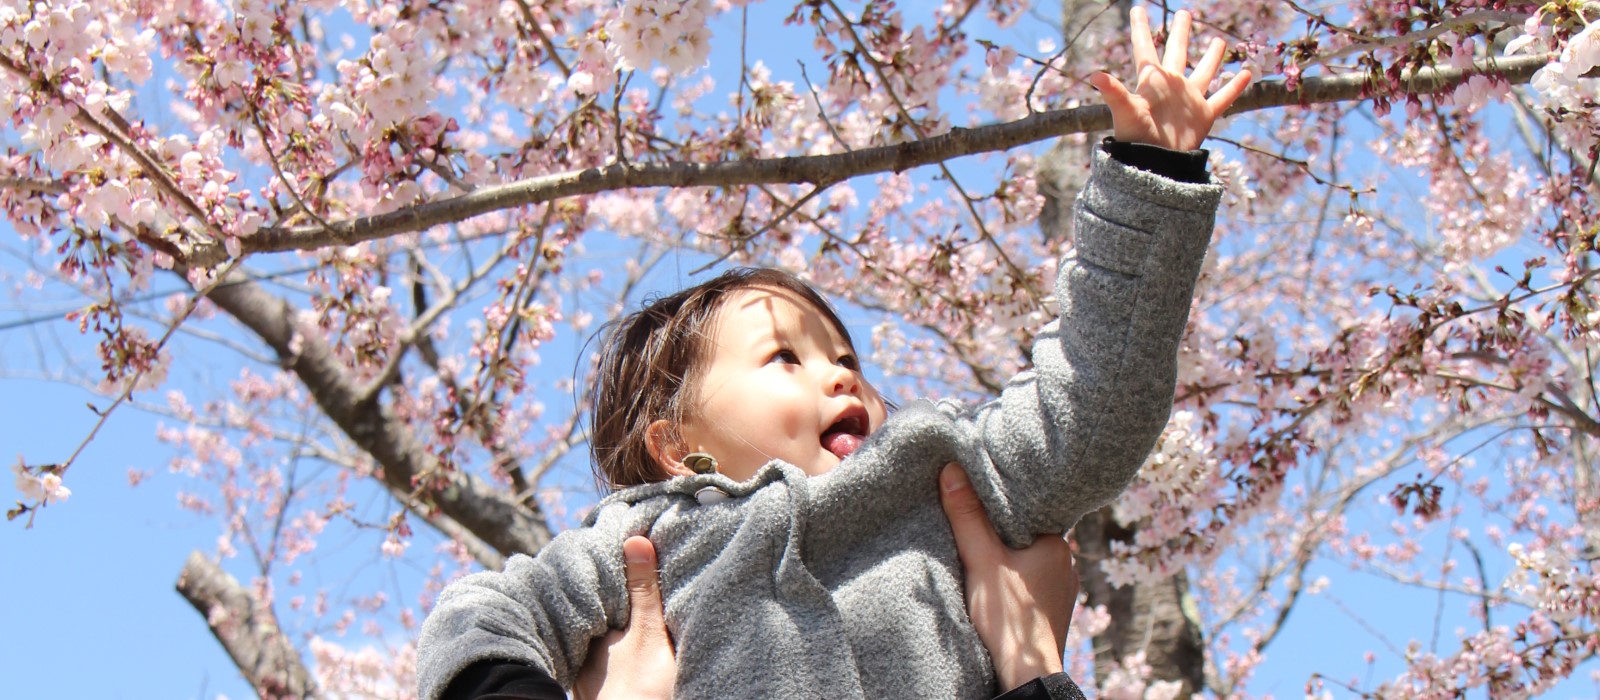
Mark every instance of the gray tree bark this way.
pixel 1156 618
pixel 247 629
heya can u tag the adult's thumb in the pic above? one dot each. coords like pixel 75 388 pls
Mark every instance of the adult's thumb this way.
pixel 644 585
pixel 968 520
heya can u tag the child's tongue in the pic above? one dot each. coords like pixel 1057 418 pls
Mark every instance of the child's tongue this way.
pixel 841 444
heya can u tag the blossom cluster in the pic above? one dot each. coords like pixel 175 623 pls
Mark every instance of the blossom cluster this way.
pixel 1520 661
pixel 1172 496
pixel 41 486
pixel 1566 86
pixel 673 32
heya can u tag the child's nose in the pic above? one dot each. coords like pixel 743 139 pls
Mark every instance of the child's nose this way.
pixel 844 381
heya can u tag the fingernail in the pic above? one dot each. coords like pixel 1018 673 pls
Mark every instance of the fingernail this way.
pixel 636 555
pixel 953 480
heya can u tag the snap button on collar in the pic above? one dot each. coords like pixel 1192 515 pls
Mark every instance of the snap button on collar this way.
pixel 710 495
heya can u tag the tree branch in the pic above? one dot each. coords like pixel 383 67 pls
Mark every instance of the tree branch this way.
pixel 247 629
pixel 34 185
pixel 489 514
pixel 1366 43
pixel 956 143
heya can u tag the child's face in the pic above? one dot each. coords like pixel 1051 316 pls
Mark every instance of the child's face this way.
pixel 781 383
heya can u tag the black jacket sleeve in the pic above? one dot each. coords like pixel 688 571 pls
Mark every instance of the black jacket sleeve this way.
pixel 1056 686
pixel 1183 166
pixel 503 680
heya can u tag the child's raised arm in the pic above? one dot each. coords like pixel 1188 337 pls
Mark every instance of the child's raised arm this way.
pixel 1066 437
pixel 1165 108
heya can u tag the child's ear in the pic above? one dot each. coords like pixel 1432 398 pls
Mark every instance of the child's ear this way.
pixel 661 439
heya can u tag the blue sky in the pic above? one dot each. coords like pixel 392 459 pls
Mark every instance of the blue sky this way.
pixel 87 604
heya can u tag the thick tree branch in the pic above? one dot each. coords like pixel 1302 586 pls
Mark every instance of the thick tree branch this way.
pixel 247 629
pixel 826 168
pixel 489 514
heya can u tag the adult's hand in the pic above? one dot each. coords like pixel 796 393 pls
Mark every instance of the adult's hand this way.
pixel 636 662
pixel 1020 600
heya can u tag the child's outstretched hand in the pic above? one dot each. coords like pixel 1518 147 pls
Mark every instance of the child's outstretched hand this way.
pixel 1165 108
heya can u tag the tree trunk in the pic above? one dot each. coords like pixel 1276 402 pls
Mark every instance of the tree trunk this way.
pixel 1158 619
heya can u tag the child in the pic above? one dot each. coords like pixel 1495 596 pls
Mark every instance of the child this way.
pixel 803 549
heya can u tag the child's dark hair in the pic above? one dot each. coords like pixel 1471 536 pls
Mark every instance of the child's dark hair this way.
pixel 649 361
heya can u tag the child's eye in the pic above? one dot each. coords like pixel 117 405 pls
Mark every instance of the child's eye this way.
pixel 785 356
pixel 849 362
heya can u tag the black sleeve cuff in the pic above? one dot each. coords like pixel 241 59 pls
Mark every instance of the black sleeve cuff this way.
pixel 1056 686
pixel 503 680
pixel 1183 166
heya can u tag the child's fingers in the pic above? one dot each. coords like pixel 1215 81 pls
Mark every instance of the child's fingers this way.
pixel 1177 56
pixel 976 540
pixel 644 587
pixel 1206 69
pixel 1144 48
pixel 1113 91
pixel 1224 97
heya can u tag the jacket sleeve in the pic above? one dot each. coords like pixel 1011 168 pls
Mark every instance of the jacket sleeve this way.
pixel 542 611
pixel 1057 686
pixel 1067 436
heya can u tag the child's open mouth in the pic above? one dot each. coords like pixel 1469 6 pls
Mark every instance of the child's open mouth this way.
pixel 846 434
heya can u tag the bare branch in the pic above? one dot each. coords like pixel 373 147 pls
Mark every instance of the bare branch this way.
pixel 247 629
pixel 956 143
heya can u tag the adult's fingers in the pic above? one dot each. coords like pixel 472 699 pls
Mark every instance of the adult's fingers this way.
pixel 976 540
pixel 644 587
pixel 1177 56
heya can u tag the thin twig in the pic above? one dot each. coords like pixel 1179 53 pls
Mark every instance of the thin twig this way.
pixel 967 200
pixel 773 223
pixel 272 157
pixel 1378 43
pixel 822 113
pixel 130 383
pixel 544 39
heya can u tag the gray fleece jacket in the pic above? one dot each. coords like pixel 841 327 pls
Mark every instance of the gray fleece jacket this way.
pixel 847 585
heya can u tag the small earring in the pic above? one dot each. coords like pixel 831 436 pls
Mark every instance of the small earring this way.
pixel 700 462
